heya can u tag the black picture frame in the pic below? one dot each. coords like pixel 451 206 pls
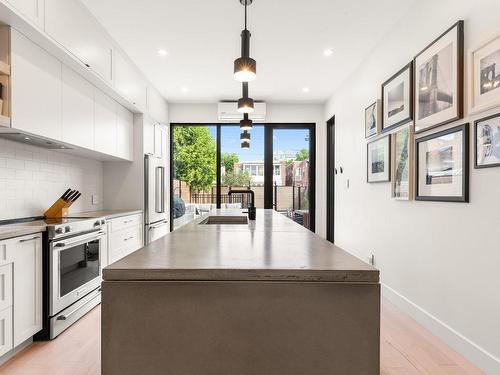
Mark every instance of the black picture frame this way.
pixel 476 122
pixel 464 198
pixel 460 77
pixel 388 137
pixel 411 116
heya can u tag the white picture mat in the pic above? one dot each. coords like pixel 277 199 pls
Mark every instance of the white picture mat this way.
pixel 490 99
pixel 451 112
pixel 406 193
pixel 453 189
pixel 405 78
pixel 492 159
pixel 382 143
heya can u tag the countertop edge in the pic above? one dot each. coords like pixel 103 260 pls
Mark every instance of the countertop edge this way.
pixel 20 232
pixel 283 275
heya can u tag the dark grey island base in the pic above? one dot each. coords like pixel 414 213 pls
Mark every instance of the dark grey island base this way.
pixel 265 298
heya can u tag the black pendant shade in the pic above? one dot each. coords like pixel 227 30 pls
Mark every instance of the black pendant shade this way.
pixel 246 123
pixel 245 136
pixel 245 104
pixel 245 145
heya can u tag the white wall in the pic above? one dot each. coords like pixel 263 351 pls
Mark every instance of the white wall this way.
pixel 32 178
pixel 438 261
pixel 276 113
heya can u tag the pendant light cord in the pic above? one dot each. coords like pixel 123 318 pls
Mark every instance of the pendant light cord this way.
pixel 245 15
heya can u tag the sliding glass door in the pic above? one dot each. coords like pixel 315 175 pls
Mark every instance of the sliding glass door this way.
pixel 292 173
pixel 208 161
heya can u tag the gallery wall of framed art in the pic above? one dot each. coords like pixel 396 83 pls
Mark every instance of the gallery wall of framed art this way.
pixel 397 99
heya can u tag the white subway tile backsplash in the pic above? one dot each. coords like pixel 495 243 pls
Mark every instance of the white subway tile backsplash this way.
pixel 32 178
pixel 14 164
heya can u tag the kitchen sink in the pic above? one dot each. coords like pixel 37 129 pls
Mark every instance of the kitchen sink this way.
pixel 224 220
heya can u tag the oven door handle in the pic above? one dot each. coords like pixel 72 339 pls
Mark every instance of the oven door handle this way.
pixel 66 316
pixel 80 239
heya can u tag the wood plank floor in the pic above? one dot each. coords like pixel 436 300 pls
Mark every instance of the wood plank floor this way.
pixel 406 349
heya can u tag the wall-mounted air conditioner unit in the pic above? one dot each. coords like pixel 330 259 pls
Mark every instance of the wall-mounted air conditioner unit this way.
pixel 228 112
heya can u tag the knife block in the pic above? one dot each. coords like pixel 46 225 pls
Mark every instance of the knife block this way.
pixel 58 209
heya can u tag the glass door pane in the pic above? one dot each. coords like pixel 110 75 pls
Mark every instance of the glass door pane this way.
pixel 291 174
pixel 194 171
pixel 241 168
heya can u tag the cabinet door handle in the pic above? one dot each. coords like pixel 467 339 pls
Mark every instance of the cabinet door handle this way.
pixel 29 239
pixel 127 221
pixel 128 238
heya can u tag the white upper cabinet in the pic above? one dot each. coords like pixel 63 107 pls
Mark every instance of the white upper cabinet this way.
pixel 157 106
pixel 125 133
pixel 77 109
pixel 33 10
pixel 36 89
pixel 129 83
pixel 105 123
pixel 148 136
pixel 73 26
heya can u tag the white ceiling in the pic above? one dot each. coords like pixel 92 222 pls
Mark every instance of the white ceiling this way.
pixel 288 38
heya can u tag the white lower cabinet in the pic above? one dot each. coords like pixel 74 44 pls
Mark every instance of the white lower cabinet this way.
pixel 125 235
pixel 27 286
pixel 6 343
pixel 20 290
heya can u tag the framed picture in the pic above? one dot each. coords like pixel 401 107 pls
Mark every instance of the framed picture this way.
pixel 487 142
pixel 378 161
pixel 485 77
pixel 402 163
pixel 372 119
pixel 442 166
pixel 439 71
pixel 397 99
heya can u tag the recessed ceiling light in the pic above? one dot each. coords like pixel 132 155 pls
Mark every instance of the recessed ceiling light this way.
pixel 328 52
pixel 185 89
pixel 305 89
pixel 162 52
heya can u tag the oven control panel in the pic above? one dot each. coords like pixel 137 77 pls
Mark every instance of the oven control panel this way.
pixel 58 228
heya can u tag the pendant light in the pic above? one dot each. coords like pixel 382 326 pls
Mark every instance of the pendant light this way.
pixel 245 68
pixel 246 123
pixel 245 145
pixel 245 104
pixel 245 136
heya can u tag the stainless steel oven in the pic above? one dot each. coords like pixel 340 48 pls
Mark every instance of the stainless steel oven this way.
pixel 75 268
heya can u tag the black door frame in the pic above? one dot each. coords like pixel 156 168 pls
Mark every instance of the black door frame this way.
pixel 268 163
pixel 330 179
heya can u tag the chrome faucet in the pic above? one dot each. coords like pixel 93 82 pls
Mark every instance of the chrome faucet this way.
pixel 251 203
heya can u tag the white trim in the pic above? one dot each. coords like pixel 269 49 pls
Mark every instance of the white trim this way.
pixel 486 361
pixel 14 351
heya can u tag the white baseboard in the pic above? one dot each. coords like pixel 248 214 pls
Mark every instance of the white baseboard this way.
pixel 10 354
pixel 484 360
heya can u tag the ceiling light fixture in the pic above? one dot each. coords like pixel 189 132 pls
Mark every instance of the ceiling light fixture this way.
pixel 245 104
pixel 305 89
pixel 245 136
pixel 328 52
pixel 245 68
pixel 246 123
pixel 184 89
pixel 245 145
pixel 162 52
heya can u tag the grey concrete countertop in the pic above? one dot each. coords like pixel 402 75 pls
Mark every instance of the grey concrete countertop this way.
pixel 21 229
pixel 272 248
pixel 108 214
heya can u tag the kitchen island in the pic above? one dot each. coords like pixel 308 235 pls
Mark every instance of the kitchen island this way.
pixel 262 298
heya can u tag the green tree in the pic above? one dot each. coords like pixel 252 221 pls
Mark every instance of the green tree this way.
pixel 236 179
pixel 228 161
pixel 302 154
pixel 194 156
